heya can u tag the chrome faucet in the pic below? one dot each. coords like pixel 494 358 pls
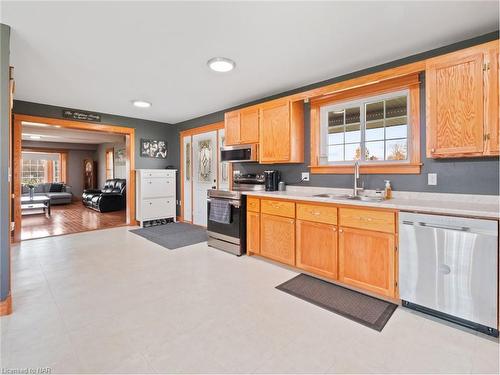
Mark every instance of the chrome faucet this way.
pixel 356 189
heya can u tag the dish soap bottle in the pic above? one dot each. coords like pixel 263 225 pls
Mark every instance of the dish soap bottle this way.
pixel 388 189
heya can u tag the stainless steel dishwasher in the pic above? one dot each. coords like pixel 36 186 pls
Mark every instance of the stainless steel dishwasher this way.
pixel 448 267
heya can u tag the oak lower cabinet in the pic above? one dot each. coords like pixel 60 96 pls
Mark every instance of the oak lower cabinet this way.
pixel 367 260
pixel 253 232
pixel 277 238
pixel 317 248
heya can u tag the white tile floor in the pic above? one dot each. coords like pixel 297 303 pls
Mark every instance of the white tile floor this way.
pixel 112 302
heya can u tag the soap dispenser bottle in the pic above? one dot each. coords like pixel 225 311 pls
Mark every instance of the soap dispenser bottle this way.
pixel 388 189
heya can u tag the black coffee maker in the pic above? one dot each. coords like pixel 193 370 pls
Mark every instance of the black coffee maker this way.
pixel 272 179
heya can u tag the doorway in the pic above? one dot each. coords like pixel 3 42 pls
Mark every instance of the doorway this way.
pixel 201 170
pixel 52 164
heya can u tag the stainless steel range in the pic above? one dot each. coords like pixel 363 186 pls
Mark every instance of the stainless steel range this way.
pixel 230 236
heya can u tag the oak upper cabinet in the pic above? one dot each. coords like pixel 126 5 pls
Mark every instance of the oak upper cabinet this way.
pixel 242 126
pixel 462 103
pixel 317 248
pixel 249 125
pixel 277 238
pixel 232 128
pixel 492 146
pixel 281 132
pixel 367 260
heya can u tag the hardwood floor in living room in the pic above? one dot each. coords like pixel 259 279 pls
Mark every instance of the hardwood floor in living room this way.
pixel 69 218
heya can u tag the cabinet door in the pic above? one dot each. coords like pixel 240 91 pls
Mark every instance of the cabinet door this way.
pixel 455 105
pixel 277 238
pixel 232 128
pixel 275 133
pixel 492 103
pixel 249 126
pixel 253 232
pixel 317 248
pixel 367 260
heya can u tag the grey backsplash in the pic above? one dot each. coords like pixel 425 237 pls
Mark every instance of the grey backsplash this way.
pixel 464 175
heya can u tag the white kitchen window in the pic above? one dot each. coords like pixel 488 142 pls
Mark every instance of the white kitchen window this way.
pixel 372 130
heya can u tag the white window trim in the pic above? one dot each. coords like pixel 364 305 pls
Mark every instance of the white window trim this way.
pixel 362 103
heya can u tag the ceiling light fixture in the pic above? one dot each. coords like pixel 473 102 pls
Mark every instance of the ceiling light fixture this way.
pixel 35 137
pixel 141 103
pixel 221 64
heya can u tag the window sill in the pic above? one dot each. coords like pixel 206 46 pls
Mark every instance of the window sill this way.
pixel 367 169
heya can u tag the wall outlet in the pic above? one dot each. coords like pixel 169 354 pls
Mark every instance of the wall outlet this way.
pixel 305 176
pixel 432 179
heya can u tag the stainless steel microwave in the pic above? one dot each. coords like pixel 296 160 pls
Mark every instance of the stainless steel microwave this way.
pixel 239 154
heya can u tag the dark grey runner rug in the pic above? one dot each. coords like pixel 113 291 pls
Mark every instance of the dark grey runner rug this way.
pixel 369 311
pixel 173 235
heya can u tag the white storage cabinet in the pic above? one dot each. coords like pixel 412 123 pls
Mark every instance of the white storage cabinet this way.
pixel 155 194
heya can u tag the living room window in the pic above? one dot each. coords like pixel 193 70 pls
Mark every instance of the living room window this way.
pixel 376 125
pixel 40 167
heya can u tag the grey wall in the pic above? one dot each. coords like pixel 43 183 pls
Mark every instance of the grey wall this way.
pixel 143 129
pixel 467 175
pixel 77 153
pixel 4 163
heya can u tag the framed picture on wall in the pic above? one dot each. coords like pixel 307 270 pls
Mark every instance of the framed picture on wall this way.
pixel 153 148
pixel 120 156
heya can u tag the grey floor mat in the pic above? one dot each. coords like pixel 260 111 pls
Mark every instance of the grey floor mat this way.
pixel 173 235
pixel 369 311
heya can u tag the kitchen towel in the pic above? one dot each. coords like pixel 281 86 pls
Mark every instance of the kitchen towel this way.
pixel 220 210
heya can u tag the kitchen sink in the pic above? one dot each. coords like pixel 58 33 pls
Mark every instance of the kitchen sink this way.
pixel 364 198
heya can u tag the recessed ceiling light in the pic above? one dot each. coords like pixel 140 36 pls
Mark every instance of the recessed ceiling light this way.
pixel 221 64
pixel 141 103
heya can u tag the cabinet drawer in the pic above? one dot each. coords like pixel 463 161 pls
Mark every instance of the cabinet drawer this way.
pixel 253 204
pixel 381 221
pixel 320 214
pixel 158 208
pixel 279 208
pixel 158 187
pixel 160 173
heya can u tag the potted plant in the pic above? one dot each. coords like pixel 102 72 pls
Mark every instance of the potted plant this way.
pixel 31 183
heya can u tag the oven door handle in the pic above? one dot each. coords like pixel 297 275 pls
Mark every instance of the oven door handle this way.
pixel 235 204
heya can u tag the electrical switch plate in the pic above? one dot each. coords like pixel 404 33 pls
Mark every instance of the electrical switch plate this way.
pixel 305 176
pixel 432 179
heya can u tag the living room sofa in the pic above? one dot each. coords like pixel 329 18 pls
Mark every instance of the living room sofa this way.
pixel 110 198
pixel 58 193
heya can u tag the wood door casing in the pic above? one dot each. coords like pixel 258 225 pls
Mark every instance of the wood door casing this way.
pixel 277 238
pixel 253 232
pixel 367 260
pixel 455 103
pixel 232 127
pixel 317 248
pixel 275 133
pixel 249 126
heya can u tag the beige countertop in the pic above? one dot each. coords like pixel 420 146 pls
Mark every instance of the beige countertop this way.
pixel 482 206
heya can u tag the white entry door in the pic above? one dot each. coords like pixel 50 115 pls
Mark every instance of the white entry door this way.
pixel 204 173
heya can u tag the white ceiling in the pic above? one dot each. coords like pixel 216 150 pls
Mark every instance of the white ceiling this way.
pixel 51 133
pixel 101 55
